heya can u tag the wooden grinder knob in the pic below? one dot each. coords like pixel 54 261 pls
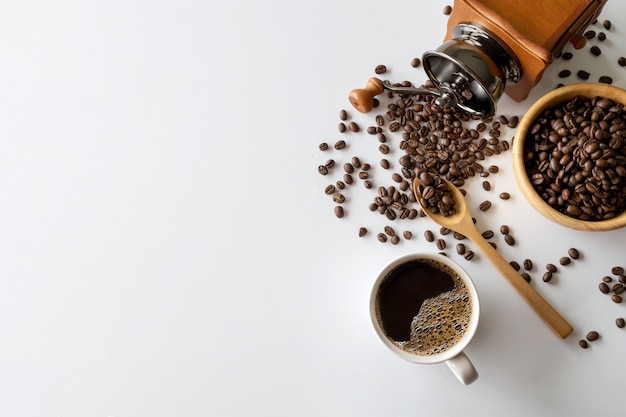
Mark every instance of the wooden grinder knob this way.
pixel 363 98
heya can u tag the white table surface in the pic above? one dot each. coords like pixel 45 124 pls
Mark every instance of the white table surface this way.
pixel 167 249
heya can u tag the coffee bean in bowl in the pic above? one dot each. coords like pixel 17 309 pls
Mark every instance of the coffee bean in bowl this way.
pixel 569 156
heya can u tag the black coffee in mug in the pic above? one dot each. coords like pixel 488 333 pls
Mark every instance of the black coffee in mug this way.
pixel 424 307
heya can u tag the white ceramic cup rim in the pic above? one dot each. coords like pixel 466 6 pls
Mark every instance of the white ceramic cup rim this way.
pixel 467 337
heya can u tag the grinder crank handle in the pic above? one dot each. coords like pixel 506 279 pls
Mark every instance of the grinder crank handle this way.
pixel 363 98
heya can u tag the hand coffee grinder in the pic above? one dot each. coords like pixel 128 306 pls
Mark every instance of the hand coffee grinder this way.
pixel 491 47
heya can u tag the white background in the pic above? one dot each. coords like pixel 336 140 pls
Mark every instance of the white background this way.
pixel 167 249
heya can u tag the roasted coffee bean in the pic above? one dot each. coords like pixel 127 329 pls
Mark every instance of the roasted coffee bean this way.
pixel 565 73
pixel 617 270
pixel 353 127
pixel 595 50
pixel 384 163
pixel 583 344
pixel 607 279
pixel 485 205
pixel 458 236
pixel 618 288
pixel 408 235
pixel 622 279
pixel 389 230
pixel 381 237
pixel 340 144
pixel 528 264
pixel 323 146
pixel 505 196
pixel 322 169
pixel 526 276
pixel 368 184
pixel 604 288
pixel 567 56
pixel 573 253
pixel 616 298
pixel 607 24
pixel 339 198
pixel 339 211
pixel 469 255
pixel 395 239
pixel 552 268
pixel 605 79
pixel 515 265
pixel 341 185
pixel 620 322
pixel 460 248
pixel 592 335
pixel 590 34
pixel 364 175
pixel 583 75
pixel 486 185
pixel 348 167
pixel 330 189
pixel 372 130
pixel 621 61
pixel 342 127
pixel 343 114
pixel 364 166
pixel 384 149
pixel 347 178
pixel 429 236
pixel 565 260
pixel 416 62
pixel 362 231
pixel 380 69
pixel 493 245
pixel 441 244
pixel 504 229
pixel 447 10
pixel 488 234
pixel 601 36
pixel 509 239
pixel 547 276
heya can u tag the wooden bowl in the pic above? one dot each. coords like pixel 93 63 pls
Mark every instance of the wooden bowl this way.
pixel 558 96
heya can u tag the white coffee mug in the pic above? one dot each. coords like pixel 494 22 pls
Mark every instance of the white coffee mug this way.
pixel 453 354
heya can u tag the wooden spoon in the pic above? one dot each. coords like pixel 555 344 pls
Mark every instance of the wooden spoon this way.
pixel 461 222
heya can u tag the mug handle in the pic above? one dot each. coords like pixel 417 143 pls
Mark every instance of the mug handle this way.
pixel 463 368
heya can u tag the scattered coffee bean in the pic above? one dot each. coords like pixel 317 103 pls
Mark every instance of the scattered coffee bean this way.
pixel 342 127
pixel 347 178
pixel 595 50
pixel 592 335
pixel 485 205
pixel 322 169
pixel 552 268
pixel 488 234
pixel 407 234
pixel 330 189
pixel 583 75
pixel 362 231
pixel 384 149
pixel 565 73
pixel 617 270
pixel 323 146
pixel 505 196
pixel 504 229
pixel 526 276
pixel 340 144
pixel 380 69
pixel 620 322
pixel 395 239
pixel 601 36
pixel 616 298
pixel 583 344
pixel 573 253
pixel 621 61
pixel 604 288
pixel 565 260
pixel 389 231
pixel 618 288
pixel 486 185
pixel 368 184
pixel 567 56
pixel 607 24
pixel 460 248
pixel 339 211
pixel 343 114
pixel 590 34
pixel 515 265
pixel 441 244
pixel 510 240
pixel 384 163
pixel 547 276
pixel 607 279
pixel 469 255
pixel 381 237
pixel 447 10
pixel 528 264
pixel 353 127
pixel 605 79
pixel 429 236
pixel 416 62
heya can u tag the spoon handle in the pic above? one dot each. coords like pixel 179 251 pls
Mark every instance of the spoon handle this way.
pixel 547 313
